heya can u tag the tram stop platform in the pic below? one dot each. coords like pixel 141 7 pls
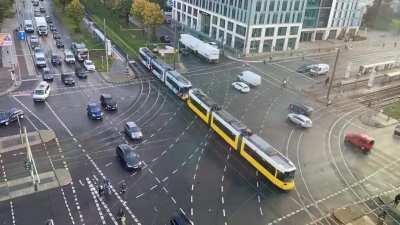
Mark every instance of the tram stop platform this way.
pixel 352 216
pixel 13 142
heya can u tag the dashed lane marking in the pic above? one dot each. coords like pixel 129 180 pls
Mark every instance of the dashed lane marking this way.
pixel 92 191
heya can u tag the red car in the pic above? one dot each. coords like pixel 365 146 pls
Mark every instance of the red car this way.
pixel 362 141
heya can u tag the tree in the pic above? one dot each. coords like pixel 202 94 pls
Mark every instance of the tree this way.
pixel 153 17
pixel 380 10
pixel 64 4
pixel 76 12
pixel 396 25
pixel 138 8
pixel 5 6
pixel 123 8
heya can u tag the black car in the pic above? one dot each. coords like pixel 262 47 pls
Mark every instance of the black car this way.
pixel 301 109
pixel 49 19
pixel 35 3
pixel 55 59
pixel 47 74
pixel 108 102
pixel 10 116
pixel 42 9
pixel 94 111
pixel 37 13
pixel 128 157
pixel 180 219
pixel 52 28
pixel 56 35
pixel 81 73
pixel 304 68
pixel 59 43
pixel 67 79
pixel 165 39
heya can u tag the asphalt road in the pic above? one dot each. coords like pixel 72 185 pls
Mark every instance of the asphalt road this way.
pixel 187 166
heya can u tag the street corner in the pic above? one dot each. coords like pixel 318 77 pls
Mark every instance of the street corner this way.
pixel 385 139
pixel 377 120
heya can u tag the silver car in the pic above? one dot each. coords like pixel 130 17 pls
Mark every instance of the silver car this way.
pixel 133 131
pixel 300 120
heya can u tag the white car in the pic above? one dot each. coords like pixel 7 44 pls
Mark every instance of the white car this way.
pixel 133 131
pixel 69 56
pixel 300 120
pixel 89 65
pixel 240 86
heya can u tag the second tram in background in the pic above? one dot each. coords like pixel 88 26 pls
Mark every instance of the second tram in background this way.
pixel 167 75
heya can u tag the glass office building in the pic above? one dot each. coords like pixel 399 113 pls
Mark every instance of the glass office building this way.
pixel 262 26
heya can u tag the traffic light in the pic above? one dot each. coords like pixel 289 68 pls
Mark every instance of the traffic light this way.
pixel 28 165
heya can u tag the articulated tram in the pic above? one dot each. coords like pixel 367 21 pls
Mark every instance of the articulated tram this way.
pixel 261 155
pixel 172 79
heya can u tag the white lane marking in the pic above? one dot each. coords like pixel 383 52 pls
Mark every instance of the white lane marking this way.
pixel 152 188
pixel 108 164
pixel 33 114
pixel 81 183
pixel 59 120
pixel 173 199
pixel 92 191
pixel 165 179
pixel 12 212
pixel 96 194
pixel 138 196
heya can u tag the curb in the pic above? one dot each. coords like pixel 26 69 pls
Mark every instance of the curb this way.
pixel 15 85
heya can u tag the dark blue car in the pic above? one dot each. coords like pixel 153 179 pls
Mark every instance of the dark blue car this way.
pixel 94 111
pixel 10 116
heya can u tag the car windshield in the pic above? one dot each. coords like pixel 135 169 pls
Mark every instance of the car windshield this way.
pixel 95 108
pixel 108 99
pixel 39 92
pixel 134 129
pixel 131 157
pixel 89 63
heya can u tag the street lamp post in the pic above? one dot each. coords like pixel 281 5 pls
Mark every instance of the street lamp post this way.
pixel 332 78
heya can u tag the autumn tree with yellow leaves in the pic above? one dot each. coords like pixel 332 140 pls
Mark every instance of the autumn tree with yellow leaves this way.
pixel 149 13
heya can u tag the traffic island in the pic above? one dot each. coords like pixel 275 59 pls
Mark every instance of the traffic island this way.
pixel 352 216
pixel 13 142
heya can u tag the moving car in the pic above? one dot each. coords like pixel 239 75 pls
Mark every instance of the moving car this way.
pixel 304 68
pixel 165 39
pixel 38 50
pixel 47 75
pixel 250 78
pixel 42 9
pixel 94 111
pixel 67 79
pixel 49 19
pixel 59 43
pixel 301 109
pixel 319 69
pixel 28 26
pixel 36 13
pixel 35 3
pixel 363 141
pixel 128 157
pixel 180 219
pixel 89 65
pixel 108 102
pixel 240 86
pixel 55 59
pixel 133 131
pixel 300 120
pixel 69 57
pixel 80 73
pixel 10 116
pixel 41 92
pixel 52 28
pixel 56 35
pixel 34 41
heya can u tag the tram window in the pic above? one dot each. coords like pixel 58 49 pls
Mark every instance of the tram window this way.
pixel 224 129
pixel 184 89
pixel 259 159
pixel 198 106
pixel 170 81
pixel 157 69
pixel 287 176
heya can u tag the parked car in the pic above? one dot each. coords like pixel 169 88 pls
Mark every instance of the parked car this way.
pixel 319 69
pixel 133 131
pixel 240 86
pixel 108 102
pixel 301 109
pixel 67 79
pixel 42 9
pixel 165 39
pixel 304 68
pixel 10 116
pixel 56 35
pixel 89 65
pixel 80 73
pixel 180 219
pixel 47 74
pixel 363 141
pixel 55 59
pixel 94 111
pixel 128 157
pixel 300 120
pixel 59 43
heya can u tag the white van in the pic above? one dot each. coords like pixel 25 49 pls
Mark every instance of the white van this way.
pixel 28 26
pixel 41 92
pixel 250 78
pixel 319 69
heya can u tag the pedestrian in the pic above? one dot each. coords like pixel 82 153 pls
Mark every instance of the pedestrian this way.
pixel 122 188
pixel 395 44
pixel 326 81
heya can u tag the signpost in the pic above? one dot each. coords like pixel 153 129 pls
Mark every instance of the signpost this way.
pixel 21 35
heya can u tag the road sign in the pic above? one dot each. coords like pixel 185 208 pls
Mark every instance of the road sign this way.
pixel 21 35
pixel 108 47
pixel 5 39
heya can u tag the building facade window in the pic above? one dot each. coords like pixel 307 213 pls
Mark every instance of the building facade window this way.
pixel 267 46
pixel 256 32
pixel 279 44
pixel 269 32
pixel 215 20
pixel 228 39
pixel 271 5
pixel 230 26
pixel 222 23
pixel 292 43
pixel 254 46
pixel 282 31
pixel 214 33
pixel 239 43
pixel 240 30
pixel 294 30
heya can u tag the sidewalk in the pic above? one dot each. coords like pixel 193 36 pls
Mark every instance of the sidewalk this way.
pixel 120 73
pixel 12 143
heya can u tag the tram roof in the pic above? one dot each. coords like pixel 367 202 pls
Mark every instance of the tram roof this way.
pixel 162 63
pixel 180 78
pixel 205 99
pixel 271 152
pixel 148 52
pixel 235 123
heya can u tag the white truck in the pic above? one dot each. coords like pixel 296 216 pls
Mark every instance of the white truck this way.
pixel 41 26
pixel 204 49
pixel 250 78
